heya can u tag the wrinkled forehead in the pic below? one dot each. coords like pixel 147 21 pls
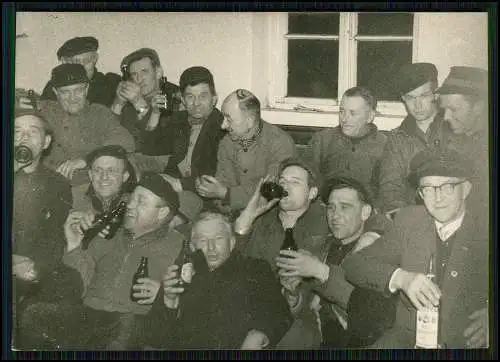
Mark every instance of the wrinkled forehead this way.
pixel 438 180
pixel 72 87
pixel 212 228
pixel 354 103
pixel 108 161
pixel 29 121
pixel 344 195
pixel 81 58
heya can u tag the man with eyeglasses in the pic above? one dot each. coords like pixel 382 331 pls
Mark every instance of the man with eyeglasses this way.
pixel 447 230
pixel 83 50
pixel 79 126
pixel 422 127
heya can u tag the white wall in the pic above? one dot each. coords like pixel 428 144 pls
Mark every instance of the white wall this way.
pixel 220 41
pixel 234 46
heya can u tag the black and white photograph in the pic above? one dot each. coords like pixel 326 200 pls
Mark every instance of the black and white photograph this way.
pixel 251 180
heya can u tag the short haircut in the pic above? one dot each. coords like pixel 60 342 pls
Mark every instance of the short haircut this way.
pixel 47 128
pixel 338 183
pixel 212 215
pixel 364 93
pixel 312 179
pixel 248 103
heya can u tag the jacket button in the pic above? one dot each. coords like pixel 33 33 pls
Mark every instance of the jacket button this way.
pixel 454 273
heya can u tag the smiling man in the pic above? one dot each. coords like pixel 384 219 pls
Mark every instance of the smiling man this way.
pixel 355 146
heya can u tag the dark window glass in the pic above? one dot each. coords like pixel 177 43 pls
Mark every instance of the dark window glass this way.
pixel 385 24
pixel 313 68
pixel 378 62
pixel 313 23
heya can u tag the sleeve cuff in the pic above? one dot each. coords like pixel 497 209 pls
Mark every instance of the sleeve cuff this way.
pixel 391 285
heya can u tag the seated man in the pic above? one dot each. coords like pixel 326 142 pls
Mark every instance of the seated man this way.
pixel 83 50
pixel 458 238
pixel 350 317
pixel 232 303
pixel 142 106
pixel 107 266
pixel 42 200
pixel 112 179
pixel 79 127
pixel 252 149
pixel 355 146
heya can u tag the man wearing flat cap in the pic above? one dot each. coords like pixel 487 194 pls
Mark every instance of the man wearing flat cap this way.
pixel 144 104
pixel 464 99
pixel 79 126
pixel 83 50
pixel 446 231
pixel 422 127
pixel 107 266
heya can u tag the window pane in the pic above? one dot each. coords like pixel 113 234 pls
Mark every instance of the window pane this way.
pixel 313 68
pixel 313 23
pixel 378 62
pixel 385 24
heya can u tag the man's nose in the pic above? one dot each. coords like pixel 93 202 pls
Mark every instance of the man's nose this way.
pixel 447 114
pixel 211 245
pixel 105 175
pixel 196 101
pixel 439 195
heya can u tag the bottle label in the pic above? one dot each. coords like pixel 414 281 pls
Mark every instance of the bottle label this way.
pixel 427 328
pixel 187 272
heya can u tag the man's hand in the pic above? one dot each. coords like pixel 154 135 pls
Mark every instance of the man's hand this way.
pixel 257 206
pixel 18 166
pixel 159 102
pixel 255 340
pixel 131 92
pixel 421 291
pixel 24 269
pixel 175 182
pixel 147 289
pixel 477 334
pixel 171 293
pixel 210 187
pixel 301 263
pixel 76 224
pixel 68 168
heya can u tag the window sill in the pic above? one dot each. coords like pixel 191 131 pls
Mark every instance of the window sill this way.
pixel 309 118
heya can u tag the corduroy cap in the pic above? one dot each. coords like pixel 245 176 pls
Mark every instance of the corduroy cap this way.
pixel 78 45
pixel 160 187
pixel 436 161
pixel 195 75
pixel 340 182
pixel 138 55
pixel 68 74
pixel 413 75
pixel 465 80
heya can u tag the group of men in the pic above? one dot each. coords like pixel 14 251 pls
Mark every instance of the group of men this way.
pixel 365 208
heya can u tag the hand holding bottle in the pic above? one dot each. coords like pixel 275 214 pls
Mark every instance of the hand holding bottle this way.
pixel 77 223
pixel 170 288
pixel 145 290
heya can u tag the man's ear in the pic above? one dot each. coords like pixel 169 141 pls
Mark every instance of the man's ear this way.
pixel 46 142
pixel 163 212
pixel 96 58
pixel 467 187
pixel 366 211
pixel 373 113
pixel 313 193
pixel 86 89
pixel 159 72
pixel 54 89
pixel 126 175
pixel 215 99
pixel 232 243
pixel 479 107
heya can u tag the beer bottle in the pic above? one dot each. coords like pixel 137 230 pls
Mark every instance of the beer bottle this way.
pixel 115 219
pixel 428 318
pixel 23 155
pixel 99 224
pixel 142 272
pixel 289 241
pixel 112 218
pixel 32 99
pixel 185 263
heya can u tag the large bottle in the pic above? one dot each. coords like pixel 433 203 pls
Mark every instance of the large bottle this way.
pixel 112 218
pixel 168 105
pixel 142 272
pixel 289 241
pixel 23 155
pixel 427 328
pixel 186 266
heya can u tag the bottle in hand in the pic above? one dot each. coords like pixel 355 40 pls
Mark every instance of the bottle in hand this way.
pixel 272 190
pixel 23 155
pixel 113 219
pixel 186 266
pixel 289 241
pixel 142 272
pixel 428 318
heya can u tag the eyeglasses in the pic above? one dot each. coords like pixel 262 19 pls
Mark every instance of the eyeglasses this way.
pixel 445 189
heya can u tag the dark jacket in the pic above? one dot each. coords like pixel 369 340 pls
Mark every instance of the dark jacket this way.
pixel 102 89
pixel 409 245
pixel 220 307
pixel 204 157
pixel 404 142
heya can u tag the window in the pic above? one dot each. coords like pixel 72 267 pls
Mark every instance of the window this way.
pixel 316 57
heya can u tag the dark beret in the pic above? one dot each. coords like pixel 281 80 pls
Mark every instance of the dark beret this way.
pixel 161 187
pixel 465 80
pixel 68 74
pixel 195 75
pixel 138 55
pixel 77 46
pixel 414 75
pixel 340 182
pixel 436 161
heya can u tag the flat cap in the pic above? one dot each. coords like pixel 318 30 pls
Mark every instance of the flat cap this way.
pixel 68 74
pixel 437 161
pixel 138 55
pixel 78 45
pixel 195 75
pixel 160 187
pixel 413 75
pixel 465 80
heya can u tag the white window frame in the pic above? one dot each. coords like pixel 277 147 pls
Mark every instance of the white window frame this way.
pixel 348 39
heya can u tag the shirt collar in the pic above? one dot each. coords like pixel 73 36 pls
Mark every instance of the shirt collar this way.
pixel 446 230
